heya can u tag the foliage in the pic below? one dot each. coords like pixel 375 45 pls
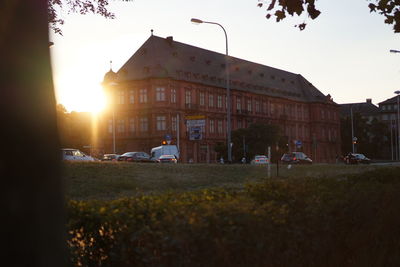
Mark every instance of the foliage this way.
pixel 56 7
pixel 74 129
pixel 390 9
pixel 254 140
pixel 350 221
pixel 372 137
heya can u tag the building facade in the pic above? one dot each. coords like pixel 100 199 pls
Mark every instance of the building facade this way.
pixel 167 87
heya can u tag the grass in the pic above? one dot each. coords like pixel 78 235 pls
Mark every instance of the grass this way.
pixel 109 180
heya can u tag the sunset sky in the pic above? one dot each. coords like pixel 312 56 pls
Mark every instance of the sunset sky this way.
pixel 345 52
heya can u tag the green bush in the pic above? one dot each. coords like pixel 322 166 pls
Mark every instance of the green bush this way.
pixel 351 221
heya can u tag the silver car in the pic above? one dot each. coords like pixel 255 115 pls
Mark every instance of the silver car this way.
pixel 75 155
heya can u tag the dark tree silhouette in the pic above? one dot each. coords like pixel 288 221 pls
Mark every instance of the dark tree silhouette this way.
pixel 390 9
pixel 32 221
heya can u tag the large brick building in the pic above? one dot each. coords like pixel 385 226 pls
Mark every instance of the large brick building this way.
pixel 165 83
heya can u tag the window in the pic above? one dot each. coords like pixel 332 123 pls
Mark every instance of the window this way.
pixel 110 126
pixel 212 128
pixel 160 94
pixel 219 101
pixel 249 106
pixel 238 104
pixel 173 123
pixel 219 126
pixel 384 117
pixel 121 97
pixel 188 97
pixel 132 125
pixel 239 124
pixel 322 114
pixel 257 106
pixel 202 98
pixel 131 96
pixel 143 96
pixel 144 124
pixel 226 103
pixel 173 95
pixel 211 100
pixel 121 126
pixel 161 123
pixel 272 108
pixel 383 107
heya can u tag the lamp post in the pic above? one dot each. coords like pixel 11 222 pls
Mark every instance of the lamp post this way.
pixel 228 91
pixel 113 85
pixel 398 120
pixel 352 129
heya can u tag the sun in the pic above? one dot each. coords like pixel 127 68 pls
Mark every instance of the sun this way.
pixel 80 94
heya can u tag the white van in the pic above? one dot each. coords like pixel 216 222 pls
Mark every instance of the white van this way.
pixel 156 152
pixel 75 154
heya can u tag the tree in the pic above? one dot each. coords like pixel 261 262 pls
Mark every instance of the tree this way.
pixel 98 7
pixel 372 137
pixel 390 9
pixel 254 140
pixel 32 201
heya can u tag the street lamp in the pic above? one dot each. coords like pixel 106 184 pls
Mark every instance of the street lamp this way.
pixel 352 129
pixel 228 91
pixel 398 119
pixel 113 98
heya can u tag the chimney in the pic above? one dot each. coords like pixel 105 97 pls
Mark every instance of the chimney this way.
pixel 369 100
pixel 170 39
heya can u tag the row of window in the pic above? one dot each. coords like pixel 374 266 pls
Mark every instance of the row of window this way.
pixel 389 107
pixel 160 95
pixel 141 124
pixel 220 101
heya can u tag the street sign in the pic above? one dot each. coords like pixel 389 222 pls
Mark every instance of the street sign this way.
pixel 195 133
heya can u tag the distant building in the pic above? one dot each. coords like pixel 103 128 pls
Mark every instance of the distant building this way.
pixel 366 109
pixel 388 110
pixel 168 87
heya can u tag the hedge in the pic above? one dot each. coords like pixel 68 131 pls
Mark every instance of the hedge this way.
pixel 347 221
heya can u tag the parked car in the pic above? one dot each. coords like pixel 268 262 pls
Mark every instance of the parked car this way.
pixel 75 155
pixel 167 159
pixel 157 152
pixel 356 158
pixel 296 158
pixel 110 157
pixel 260 159
pixel 135 157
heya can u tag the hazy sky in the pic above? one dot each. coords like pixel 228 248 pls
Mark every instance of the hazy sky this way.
pixel 344 52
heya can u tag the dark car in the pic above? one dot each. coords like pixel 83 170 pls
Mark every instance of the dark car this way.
pixel 296 158
pixel 356 158
pixel 110 157
pixel 135 157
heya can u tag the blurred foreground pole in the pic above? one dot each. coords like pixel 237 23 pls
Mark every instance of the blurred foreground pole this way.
pixel 31 197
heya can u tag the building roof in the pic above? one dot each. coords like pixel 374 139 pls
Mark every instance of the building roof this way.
pixel 364 108
pixel 165 58
pixel 392 100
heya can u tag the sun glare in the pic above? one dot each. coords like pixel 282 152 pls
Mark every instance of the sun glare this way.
pixel 80 95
